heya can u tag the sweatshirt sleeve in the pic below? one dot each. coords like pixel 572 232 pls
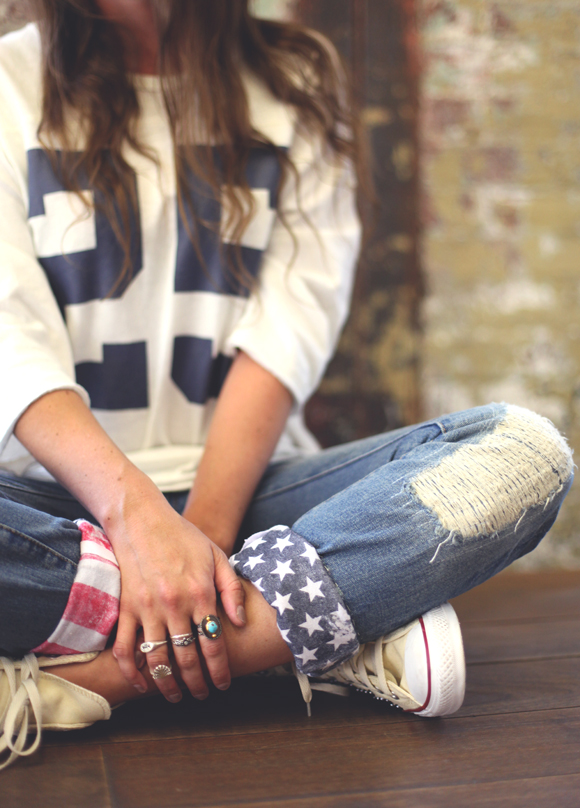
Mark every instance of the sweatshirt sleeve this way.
pixel 35 352
pixel 294 316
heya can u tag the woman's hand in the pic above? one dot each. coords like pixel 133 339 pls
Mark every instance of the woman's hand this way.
pixel 170 573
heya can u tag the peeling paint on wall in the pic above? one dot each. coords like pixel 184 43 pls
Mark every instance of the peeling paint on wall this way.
pixel 500 132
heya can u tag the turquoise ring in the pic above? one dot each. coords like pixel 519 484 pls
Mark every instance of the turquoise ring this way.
pixel 210 627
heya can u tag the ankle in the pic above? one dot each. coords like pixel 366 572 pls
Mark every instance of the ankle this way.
pixel 103 676
pixel 258 645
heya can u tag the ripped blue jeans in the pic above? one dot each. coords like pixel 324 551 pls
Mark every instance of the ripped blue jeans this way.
pixel 402 521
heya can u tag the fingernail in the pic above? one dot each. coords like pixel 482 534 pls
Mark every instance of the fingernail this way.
pixel 223 686
pixel 114 653
pixel 174 698
pixel 140 689
pixel 242 615
pixel 201 696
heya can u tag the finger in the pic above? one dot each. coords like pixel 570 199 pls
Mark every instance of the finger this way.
pixel 124 651
pixel 231 591
pixel 214 651
pixel 188 660
pixel 158 663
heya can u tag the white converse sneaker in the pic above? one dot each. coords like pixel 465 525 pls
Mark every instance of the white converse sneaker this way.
pixel 32 700
pixel 419 667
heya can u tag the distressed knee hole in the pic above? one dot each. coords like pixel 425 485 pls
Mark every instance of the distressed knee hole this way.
pixel 483 487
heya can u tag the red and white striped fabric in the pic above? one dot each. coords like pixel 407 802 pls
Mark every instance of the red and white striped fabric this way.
pixel 93 605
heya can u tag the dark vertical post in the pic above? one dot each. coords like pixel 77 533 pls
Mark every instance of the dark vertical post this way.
pixel 373 382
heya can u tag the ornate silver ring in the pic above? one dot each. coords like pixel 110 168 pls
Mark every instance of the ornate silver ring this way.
pixel 182 639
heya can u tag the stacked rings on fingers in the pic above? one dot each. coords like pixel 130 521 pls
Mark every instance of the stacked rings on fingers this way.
pixel 182 639
pixel 146 647
pixel 210 627
pixel 161 671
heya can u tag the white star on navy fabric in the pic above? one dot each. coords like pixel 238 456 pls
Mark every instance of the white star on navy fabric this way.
pixel 310 554
pixel 284 632
pixel 342 638
pixel 341 613
pixel 283 569
pixel 253 542
pixel 311 624
pixel 306 655
pixel 282 602
pixel 254 560
pixel 312 588
pixel 258 585
pixel 282 543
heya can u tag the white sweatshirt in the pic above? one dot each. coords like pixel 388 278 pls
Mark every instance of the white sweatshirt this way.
pixel 150 357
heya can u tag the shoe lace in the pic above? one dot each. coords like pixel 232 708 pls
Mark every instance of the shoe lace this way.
pixel 354 672
pixel 307 686
pixel 14 720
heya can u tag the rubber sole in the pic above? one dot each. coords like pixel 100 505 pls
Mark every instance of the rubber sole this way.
pixel 445 662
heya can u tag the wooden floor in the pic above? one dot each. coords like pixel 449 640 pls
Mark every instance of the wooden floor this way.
pixel 515 742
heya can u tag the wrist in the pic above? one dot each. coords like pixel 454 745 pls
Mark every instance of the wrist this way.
pixel 131 498
pixel 221 531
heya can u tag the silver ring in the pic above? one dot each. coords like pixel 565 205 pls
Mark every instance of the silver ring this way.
pixel 161 671
pixel 182 639
pixel 210 627
pixel 151 646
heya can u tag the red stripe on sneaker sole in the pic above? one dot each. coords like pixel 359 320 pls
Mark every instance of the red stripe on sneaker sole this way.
pixel 428 699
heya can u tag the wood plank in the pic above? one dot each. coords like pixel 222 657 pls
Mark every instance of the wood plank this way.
pixel 315 763
pixel 54 777
pixel 250 708
pixel 521 687
pixel 513 596
pixel 540 792
pixel 492 689
pixel 501 641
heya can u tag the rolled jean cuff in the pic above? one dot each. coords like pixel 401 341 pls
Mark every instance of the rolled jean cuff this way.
pixel 312 617
pixel 93 604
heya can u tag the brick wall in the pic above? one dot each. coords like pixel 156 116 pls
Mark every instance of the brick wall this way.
pixel 501 167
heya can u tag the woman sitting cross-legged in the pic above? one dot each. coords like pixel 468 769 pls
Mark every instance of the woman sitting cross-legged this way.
pixel 177 246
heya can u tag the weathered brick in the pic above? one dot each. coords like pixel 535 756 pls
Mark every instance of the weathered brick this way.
pixel 501 241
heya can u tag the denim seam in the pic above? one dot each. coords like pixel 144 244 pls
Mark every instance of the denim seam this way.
pixel 338 588
pixel 324 473
pixel 37 543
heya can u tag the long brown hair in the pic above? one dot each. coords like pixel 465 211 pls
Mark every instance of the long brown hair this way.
pixel 204 43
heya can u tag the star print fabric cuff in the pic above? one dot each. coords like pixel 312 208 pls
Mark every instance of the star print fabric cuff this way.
pixel 312 617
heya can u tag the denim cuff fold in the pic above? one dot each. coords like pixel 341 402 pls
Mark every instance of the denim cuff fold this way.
pixel 93 604
pixel 312 617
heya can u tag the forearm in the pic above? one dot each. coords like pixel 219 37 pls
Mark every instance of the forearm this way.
pixel 250 415
pixel 60 431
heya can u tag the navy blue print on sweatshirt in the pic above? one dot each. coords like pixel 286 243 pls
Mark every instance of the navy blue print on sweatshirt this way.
pixel 90 274
pixel 198 375
pixel 119 382
pixel 212 273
